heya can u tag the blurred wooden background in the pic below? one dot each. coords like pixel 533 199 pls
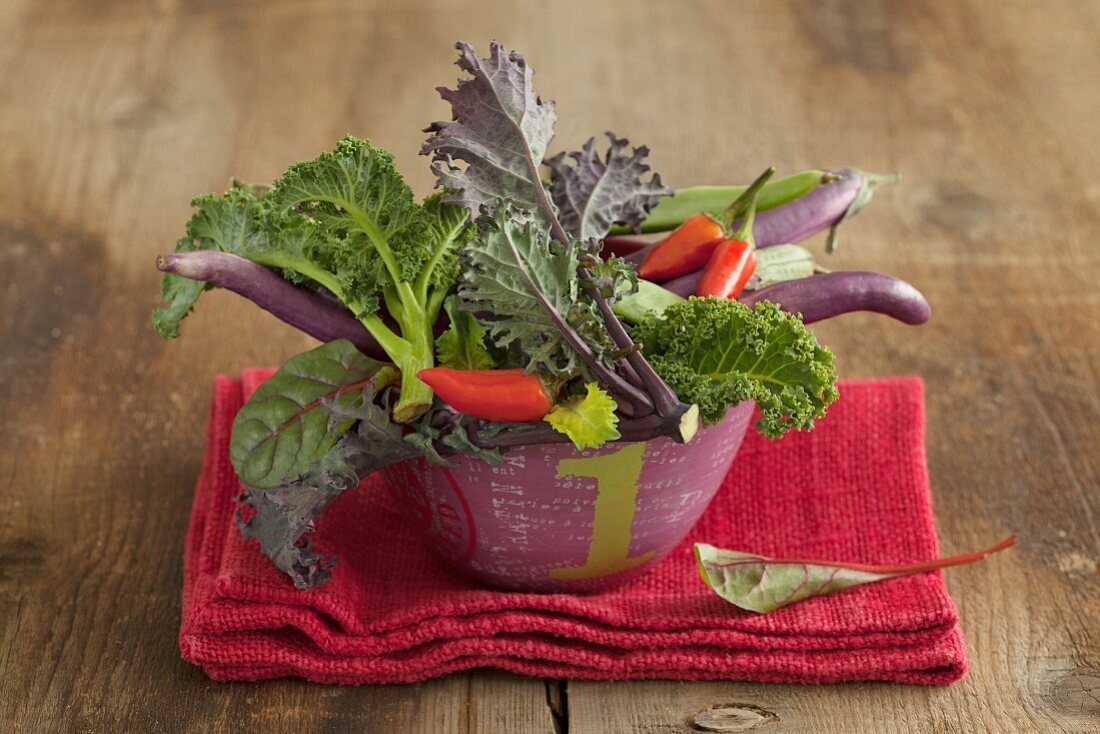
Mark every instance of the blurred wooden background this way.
pixel 114 113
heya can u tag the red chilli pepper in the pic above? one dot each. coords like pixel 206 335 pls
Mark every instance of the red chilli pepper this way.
pixel 729 269
pixel 692 244
pixel 733 260
pixel 685 250
pixel 494 395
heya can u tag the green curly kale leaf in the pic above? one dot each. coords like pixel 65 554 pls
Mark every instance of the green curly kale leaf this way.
pixel 346 222
pixel 363 206
pixel 716 352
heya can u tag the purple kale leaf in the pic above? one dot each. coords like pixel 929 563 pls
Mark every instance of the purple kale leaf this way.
pixel 500 131
pixel 594 193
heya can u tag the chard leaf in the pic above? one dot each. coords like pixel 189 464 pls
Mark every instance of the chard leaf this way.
pixel 595 193
pixel 529 285
pixel 500 131
pixel 462 345
pixel 761 584
pixel 716 353
pixel 588 420
pixel 282 430
pixel 284 514
pixel 368 439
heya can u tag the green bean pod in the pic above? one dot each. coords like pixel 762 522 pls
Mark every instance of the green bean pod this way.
pixel 671 211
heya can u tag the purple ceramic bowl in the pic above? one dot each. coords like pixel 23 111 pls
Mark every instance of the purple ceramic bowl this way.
pixel 551 518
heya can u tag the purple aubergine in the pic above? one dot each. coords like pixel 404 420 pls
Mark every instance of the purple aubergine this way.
pixel 826 207
pixel 824 296
pixel 320 317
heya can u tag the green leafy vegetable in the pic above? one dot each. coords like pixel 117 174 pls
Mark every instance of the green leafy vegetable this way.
pixel 589 420
pixel 346 222
pixel 760 584
pixel 369 222
pixel 717 352
pixel 594 193
pixel 365 439
pixel 230 224
pixel 282 430
pixel 500 130
pixel 462 345
pixel 179 294
pixel 531 288
pixel 281 516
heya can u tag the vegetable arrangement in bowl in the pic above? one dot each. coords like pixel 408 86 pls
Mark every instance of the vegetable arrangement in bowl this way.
pixel 507 315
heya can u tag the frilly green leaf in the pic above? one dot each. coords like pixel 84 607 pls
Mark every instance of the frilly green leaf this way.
pixel 716 352
pixel 529 286
pixel 588 420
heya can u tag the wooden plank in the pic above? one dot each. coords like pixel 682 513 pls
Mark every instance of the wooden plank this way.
pixel 114 113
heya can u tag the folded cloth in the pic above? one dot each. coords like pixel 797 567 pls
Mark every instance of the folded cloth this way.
pixel 854 489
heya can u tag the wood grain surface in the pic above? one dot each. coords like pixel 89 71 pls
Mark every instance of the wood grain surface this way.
pixel 114 113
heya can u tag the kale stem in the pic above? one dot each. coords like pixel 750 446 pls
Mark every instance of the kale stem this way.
pixel 658 398
pixel 665 401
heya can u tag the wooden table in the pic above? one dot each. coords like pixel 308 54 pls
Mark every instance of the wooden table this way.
pixel 114 113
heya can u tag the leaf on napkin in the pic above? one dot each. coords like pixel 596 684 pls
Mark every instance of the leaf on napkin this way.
pixel 500 131
pixel 282 430
pixel 761 584
pixel 594 193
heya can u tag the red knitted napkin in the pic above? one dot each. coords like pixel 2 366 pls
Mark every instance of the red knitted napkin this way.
pixel 854 489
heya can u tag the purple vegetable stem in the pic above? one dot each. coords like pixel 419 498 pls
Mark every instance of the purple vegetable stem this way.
pixel 316 315
pixel 823 296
